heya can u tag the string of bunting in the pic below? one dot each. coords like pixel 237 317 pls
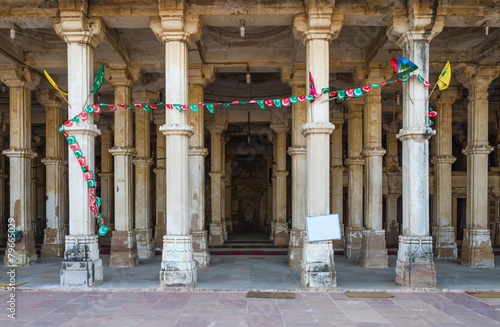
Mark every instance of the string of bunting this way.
pixel 402 68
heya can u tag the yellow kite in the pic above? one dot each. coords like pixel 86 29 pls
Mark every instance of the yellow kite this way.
pixel 444 79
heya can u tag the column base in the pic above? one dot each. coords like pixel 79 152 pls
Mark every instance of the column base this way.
pixel 476 249
pixel 415 266
pixel 229 225
pixel 281 237
pixel 295 248
pixel 200 248
pixel 81 266
pixel 106 240
pixel 373 250
pixel 224 230
pixel 177 266
pixel 216 237
pixel 340 244
pixel 159 233
pixel 53 243
pixel 24 251
pixel 354 236
pixel 444 245
pixel 271 234
pixel 392 234
pixel 318 266
pixel 123 249
pixel 144 243
pixel 497 234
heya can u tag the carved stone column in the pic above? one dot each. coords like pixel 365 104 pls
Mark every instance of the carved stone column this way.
pixel 106 175
pixel 337 175
pixel 143 162
pixel 415 266
pixel 281 237
pixel 123 241
pixel 53 242
pixel 476 246
pixel 81 266
pixel 298 153
pixel 20 82
pixel 222 190
pixel 354 162
pixel 216 237
pixel 443 232
pixel 393 172
pixel 159 171
pixel 199 77
pixel 316 29
pixel 177 31
pixel 373 248
pixel 3 205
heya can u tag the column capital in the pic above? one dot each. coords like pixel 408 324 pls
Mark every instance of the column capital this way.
pixel 339 169
pixel 216 127
pixel 200 74
pixel 354 161
pixel 416 133
pixel 281 173
pixel 77 28
pixel 320 22
pixel 477 149
pixel 159 171
pixel 444 159
pixel 295 76
pixel 121 75
pixel 337 117
pixel 297 151
pixel 373 152
pixel 20 153
pixel 122 151
pixel 177 130
pixel 17 76
pixel 174 25
pixel 49 98
pixel 202 152
pixel 448 96
pixel 477 79
pixel 279 128
pixel 142 161
pixel 215 174
pixel 83 129
pixel 317 128
pixel 51 161
pixel 417 26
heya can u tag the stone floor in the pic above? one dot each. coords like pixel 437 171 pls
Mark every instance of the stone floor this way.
pixel 232 309
pixel 235 272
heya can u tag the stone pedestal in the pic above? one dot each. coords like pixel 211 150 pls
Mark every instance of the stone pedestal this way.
pixel 295 248
pixel 415 266
pixel 374 253
pixel 145 245
pixel 53 243
pixel 444 245
pixel 318 266
pixel 200 248
pixel 281 237
pixel 392 233
pixel 24 251
pixel 178 267
pixel 476 249
pixel 107 189
pixel 160 226
pixel 216 237
pixel 81 267
pixel 123 249
pixel 143 231
pixel 353 239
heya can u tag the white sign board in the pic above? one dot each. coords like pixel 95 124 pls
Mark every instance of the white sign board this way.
pixel 323 228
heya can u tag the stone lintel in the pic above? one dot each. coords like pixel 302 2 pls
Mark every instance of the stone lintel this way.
pixel 415 266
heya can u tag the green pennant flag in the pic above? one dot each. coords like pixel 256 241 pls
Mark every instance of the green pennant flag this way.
pixel 76 119
pixel 89 109
pixel 210 107
pixel 244 102
pixel 374 85
pixel 293 100
pixel 358 92
pixel 129 106
pixel 71 139
pixel 146 107
pixel 341 95
pixel 61 129
pixel 161 104
pixel 98 80
pixel 194 107
pixel 309 97
pixel 325 90
pixel 277 103
pixel 430 122
pixel 261 104
pixel 78 153
pixel 103 105
pixel 227 104
pixel 178 107
pixel 405 78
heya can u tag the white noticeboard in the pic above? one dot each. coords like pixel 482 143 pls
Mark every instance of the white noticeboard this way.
pixel 323 228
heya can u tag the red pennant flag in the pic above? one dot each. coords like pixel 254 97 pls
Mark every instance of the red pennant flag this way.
pixel 97 108
pixel 83 116
pixel 252 101
pixel 82 161
pixel 269 103
pixel 111 107
pixel 333 93
pixel 139 105
pixel 383 83
pixel 350 93
pixel 169 106
pixel 366 88
pixel 312 87
pixel 153 106
pixel 65 134
pixel 68 123
pixel 433 113
pixel 285 102
pixel 235 102
pixel 75 146
pixel 184 107
pixel 301 98
pixel 218 104
pixel 122 105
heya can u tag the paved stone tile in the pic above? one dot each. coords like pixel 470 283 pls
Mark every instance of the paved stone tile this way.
pixel 265 320
pixel 193 321
pixel 52 319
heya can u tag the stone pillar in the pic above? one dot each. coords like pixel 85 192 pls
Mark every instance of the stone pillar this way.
pixel 476 246
pixel 373 248
pixel 354 162
pixel 415 266
pixel 273 182
pixel 123 241
pixel 227 193
pixel 20 82
pixel 81 266
pixel 269 161
pixel 281 237
pixel 199 76
pixel 337 175
pixel 393 172
pixel 143 163
pixel 161 207
pixel 106 175
pixel 3 176
pixel 443 232
pixel 53 241
pixel 177 31
pixel 317 29
pixel 216 237
pixel 223 187
pixel 298 153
